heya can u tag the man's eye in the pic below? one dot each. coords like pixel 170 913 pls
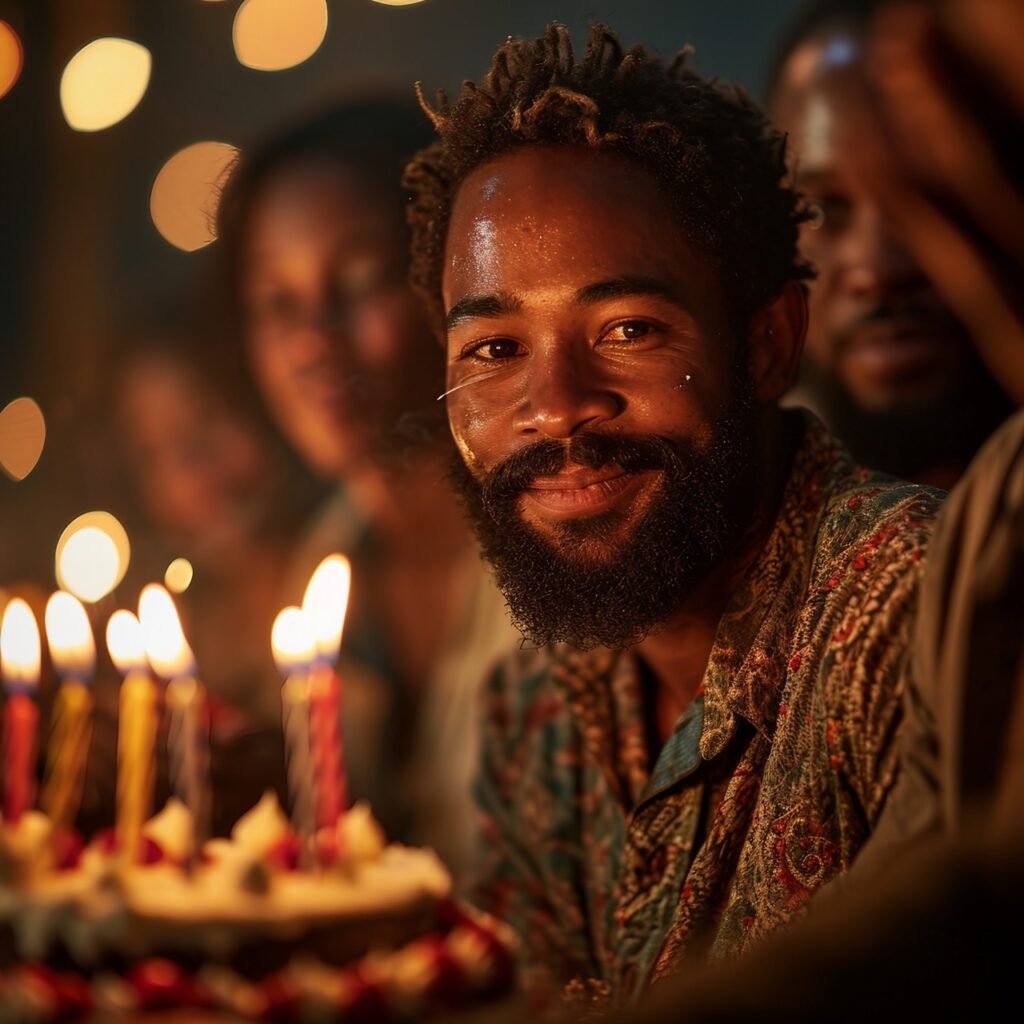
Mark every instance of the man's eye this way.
pixel 826 212
pixel 629 330
pixel 494 349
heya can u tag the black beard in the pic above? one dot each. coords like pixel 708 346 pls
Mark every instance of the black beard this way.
pixel 584 588
pixel 917 437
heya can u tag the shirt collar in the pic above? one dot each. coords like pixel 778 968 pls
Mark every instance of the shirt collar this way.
pixel 748 661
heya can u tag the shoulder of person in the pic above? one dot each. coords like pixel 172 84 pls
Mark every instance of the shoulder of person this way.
pixel 874 525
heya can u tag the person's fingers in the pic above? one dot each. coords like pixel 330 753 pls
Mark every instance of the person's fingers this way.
pixel 933 134
pixel 991 33
pixel 962 274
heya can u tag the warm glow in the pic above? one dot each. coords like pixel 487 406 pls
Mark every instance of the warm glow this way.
pixel 183 201
pixel 69 635
pixel 22 436
pixel 19 645
pixel 272 35
pixel 325 603
pixel 103 83
pixel 166 647
pixel 12 58
pixel 124 642
pixel 397 3
pixel 292 641
pixel 92 556
pixel 178 577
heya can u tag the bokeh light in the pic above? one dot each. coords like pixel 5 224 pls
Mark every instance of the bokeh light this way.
pixel 273 35
pixel 19 645
pixel 22 436
pixel 325 602
pixel 291 641
pixel 178 576
pixel 103 83
pixel 183 202
pixel 69 635
pixel 124 642
pixel 92 556
pixel 397 3
pixel 12 58
pixel 166 647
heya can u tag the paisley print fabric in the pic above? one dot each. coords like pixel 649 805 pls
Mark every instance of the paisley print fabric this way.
pixel 614 869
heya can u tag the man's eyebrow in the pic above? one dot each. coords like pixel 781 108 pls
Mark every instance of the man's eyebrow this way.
pixel 620 287
pixel 488 307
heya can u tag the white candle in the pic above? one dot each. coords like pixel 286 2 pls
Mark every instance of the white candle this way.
pixel 188 734
pixel 293 648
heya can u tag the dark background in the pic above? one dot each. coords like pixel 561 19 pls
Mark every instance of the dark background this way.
pixel 78 251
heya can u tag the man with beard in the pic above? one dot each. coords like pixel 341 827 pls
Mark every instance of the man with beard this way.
pixel 886 364
pixel 704 732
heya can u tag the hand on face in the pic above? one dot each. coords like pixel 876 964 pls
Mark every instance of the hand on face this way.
pixel 877 327
pixel 942 184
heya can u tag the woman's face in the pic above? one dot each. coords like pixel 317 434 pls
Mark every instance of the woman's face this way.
pixel 336 339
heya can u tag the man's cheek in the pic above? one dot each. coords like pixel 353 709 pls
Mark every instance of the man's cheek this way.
pixel 470 429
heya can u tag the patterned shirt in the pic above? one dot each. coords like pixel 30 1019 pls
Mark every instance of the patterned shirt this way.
pixel 611 869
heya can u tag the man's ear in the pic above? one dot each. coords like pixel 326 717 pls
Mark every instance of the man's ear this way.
pixel 775 342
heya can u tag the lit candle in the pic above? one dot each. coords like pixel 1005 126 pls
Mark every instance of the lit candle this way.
pixel 19 665
pixel 188 733
pixel 138 720
pixel 291 641
pixel 73 652
pixel 324 605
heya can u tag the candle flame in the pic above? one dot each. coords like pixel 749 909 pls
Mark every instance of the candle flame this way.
pixel 124 641
pixel 166 646
pixel 69 635
pixel 292 641
pixel 19 645
pixel 325 603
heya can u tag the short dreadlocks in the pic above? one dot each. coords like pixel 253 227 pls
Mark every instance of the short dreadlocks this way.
pixel 721 164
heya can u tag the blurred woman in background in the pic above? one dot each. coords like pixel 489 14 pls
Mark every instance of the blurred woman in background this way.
pixel 313 236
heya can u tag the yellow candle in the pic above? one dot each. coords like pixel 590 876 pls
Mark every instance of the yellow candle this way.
pixel 74 656
pixel 138 718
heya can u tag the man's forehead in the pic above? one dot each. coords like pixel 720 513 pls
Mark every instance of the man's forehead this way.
pixel 546 214
pixel 824 105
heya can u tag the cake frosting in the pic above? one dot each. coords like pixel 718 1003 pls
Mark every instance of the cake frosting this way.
pixel 246 926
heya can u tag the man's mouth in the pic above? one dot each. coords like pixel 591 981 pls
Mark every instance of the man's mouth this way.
pixel 584 492
pixel 897 352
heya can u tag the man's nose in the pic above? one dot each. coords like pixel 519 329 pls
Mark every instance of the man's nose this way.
pixel 566 392
pixel 874 264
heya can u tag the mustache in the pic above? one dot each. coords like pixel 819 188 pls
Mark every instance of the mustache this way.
pixel 513 475
pixel 927 313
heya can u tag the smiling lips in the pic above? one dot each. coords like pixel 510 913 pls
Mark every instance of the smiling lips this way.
pixel 583 492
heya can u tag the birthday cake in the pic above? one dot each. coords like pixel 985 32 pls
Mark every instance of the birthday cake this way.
pixel 368 931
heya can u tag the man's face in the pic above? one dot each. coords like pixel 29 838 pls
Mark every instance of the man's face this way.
pixel 595 392
pixel 335 337
pixel 877 331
